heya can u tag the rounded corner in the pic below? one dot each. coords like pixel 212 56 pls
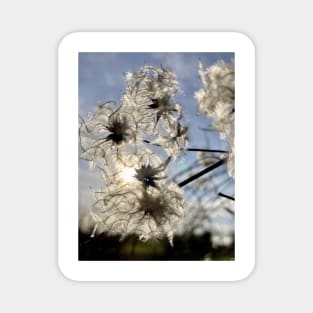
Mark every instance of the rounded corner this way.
pixel 246 39
pixel 247 273
pixel 67 39
pixel 64 273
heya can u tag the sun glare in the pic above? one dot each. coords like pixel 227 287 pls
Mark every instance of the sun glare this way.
pixel 128 174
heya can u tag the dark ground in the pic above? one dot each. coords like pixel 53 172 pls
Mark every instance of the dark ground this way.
pixel 105 247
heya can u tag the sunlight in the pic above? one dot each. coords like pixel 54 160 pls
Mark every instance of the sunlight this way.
pixel 128 174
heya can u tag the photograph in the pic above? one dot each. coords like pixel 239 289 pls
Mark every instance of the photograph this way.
pixel 156 156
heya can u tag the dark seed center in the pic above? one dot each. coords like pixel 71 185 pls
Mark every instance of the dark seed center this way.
pixel 117 138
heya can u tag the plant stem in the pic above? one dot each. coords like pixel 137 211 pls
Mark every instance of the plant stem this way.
pixel 192 149
pixel 226 196
pixel 201 173
pixel 206 150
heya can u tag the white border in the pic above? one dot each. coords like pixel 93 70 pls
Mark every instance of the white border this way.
pixel 68 51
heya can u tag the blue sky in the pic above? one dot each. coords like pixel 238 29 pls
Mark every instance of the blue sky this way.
pixel 101 79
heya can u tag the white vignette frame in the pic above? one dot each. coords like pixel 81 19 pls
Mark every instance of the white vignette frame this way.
pixel 68 51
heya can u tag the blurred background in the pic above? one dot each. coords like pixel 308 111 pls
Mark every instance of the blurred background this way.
pixel 207 232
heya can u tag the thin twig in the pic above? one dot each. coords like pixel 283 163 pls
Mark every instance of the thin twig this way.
pixel 226 196
pixel 201 173
pixel 190 149
pixel 206 150
pixel 230 211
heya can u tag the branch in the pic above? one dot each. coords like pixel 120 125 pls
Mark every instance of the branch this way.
pixel 206 150
pixel 226 196
pixel 190 149
pixel 201 173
